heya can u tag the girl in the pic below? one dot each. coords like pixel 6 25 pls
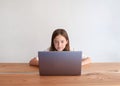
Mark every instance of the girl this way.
pixel 59 42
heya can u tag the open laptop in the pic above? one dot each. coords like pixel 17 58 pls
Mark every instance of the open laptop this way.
pixel 60 62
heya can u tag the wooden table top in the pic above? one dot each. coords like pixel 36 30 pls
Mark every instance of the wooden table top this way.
pixel 95 74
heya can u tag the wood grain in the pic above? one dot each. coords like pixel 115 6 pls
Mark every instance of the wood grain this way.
pixel 95 74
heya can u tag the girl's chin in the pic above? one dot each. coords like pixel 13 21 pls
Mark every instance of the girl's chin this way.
pixel 59 50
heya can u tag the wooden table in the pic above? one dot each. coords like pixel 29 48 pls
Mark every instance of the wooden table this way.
pixel 95 74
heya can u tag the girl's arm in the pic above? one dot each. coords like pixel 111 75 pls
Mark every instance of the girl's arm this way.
pixel 34 62
pixel 86 61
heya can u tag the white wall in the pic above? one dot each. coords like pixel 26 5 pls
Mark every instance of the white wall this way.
pixel 26 27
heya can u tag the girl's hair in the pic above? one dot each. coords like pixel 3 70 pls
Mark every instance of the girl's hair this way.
pixel 64 34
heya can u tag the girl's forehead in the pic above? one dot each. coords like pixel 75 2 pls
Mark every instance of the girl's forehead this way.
pixel 59 37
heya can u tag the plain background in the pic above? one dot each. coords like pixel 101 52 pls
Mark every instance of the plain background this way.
pixel 26 27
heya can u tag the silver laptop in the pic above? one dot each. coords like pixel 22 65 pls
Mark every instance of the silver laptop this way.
pixel 60 62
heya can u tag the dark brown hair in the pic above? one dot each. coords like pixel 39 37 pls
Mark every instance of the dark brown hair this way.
pixel 64 34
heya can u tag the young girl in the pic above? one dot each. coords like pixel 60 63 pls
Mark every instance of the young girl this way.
pixel 59 42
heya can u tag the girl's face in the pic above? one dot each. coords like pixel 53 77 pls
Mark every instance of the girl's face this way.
pixel 60 42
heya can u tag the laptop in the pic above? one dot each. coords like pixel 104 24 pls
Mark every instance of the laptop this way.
pixel 59 63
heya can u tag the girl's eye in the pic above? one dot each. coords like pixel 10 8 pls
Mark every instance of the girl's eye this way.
pixel 62 41
pixel 56 41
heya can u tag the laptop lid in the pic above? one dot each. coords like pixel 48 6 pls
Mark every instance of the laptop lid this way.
pixel 60 63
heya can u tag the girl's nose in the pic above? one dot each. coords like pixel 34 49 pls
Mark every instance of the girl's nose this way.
pixel 59 44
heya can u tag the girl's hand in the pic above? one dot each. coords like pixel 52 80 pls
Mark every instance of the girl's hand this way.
pixel 34 62
pixel 86 60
